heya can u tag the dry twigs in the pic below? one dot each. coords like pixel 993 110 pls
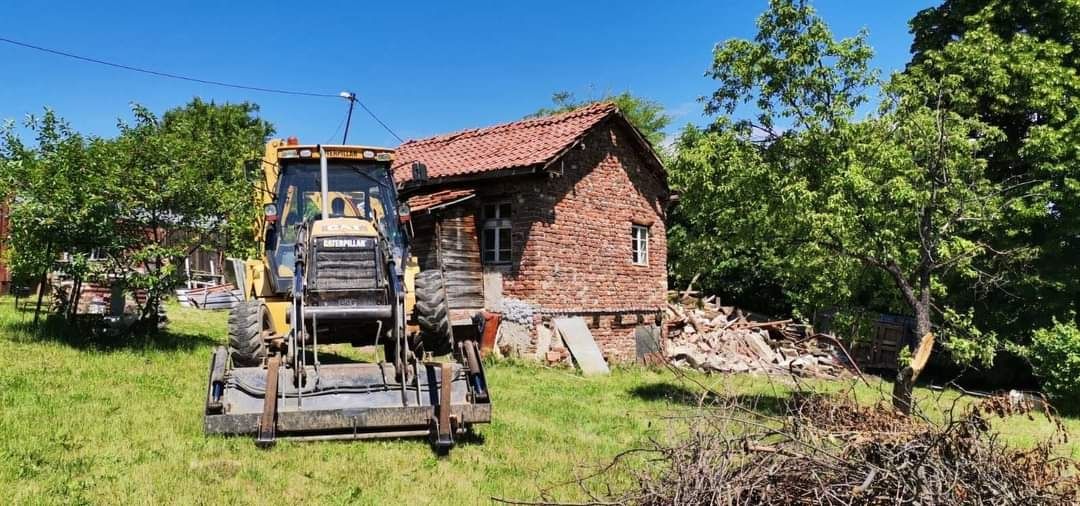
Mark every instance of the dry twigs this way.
pixel 828 449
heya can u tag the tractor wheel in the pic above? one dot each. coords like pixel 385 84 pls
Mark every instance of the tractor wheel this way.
pixel 247 320
pixel 433 312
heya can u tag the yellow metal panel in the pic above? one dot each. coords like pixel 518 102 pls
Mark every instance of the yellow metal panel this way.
pixel 337 151
pixel 277 309
pixel 412 268
pixel 343 226
pixel 258 279
pixel 263 192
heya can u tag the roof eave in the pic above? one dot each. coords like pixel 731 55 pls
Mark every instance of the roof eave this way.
pixel 414 185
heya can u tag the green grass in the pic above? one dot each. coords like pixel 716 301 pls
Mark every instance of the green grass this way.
pixel 87 422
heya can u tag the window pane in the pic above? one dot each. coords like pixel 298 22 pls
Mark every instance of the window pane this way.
pixel 489 255
pixel 489 239
pixel 489 211
pixel 504 238
pixel 639 243
pixel 504 210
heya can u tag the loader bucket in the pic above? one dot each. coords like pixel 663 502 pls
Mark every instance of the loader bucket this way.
pixel 344 401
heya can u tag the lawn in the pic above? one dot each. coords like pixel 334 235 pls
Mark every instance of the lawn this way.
pixel 91 422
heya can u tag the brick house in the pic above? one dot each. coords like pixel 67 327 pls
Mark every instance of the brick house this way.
pixel 564 212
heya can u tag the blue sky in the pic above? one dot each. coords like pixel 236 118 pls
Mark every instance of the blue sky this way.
pixel 423 68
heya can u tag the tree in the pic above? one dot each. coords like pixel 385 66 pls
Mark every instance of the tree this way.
pixel 61 198
pixel 1018 62
pixel 143 201
pixel 832 199
pixel 188 186
pixel 647 115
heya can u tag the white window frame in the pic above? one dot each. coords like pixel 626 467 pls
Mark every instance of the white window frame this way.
pixel 500 254
pixel 639 244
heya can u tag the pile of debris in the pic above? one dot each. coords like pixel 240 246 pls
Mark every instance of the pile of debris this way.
pixel 831 449
pixel 706 336
pixel 834 450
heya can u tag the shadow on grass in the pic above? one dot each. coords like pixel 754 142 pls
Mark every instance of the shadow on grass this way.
pixel 82 334
pixel 766 404
pixel 330 357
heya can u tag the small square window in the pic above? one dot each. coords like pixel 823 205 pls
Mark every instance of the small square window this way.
pixel 639 244
pixel 495 237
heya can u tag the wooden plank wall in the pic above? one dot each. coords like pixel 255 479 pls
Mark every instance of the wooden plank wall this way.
pixel 457 250
pixel 422 246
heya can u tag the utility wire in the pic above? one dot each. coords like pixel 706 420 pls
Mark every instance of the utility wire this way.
pixel 336 130
pixel 377 120
pixel 165 74
pixel 197 80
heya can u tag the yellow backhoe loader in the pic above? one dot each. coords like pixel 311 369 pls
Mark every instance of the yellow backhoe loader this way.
pixel 335 268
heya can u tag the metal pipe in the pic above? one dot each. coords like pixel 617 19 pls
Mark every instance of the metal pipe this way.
pixel 348 119
pixel 323 176
pixel 349 313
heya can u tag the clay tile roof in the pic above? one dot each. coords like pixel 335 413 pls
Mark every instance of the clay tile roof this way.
pixel 424 202
pixel 519 144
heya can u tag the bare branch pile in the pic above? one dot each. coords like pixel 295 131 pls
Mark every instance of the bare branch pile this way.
pixel 830 450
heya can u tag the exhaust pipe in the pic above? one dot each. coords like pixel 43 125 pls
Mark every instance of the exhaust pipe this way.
pixel 323 176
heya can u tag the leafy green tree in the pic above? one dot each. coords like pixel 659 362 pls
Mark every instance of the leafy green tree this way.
pixel 62 197
pixel 188 187
pixel 829 199
pixel 1055 355
pixel 1019 63
pixel 647 115
pixel 144 201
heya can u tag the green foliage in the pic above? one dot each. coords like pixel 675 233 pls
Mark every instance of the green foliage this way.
pixel 217 140
pixel 1055 355
pixel 964 340
pixel 647 115
pixel 144 201
pixel 828 203
pixel 1018 62
pixel 51 210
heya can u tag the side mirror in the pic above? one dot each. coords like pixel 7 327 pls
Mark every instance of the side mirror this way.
pixel 271 213
pixel 405 218
pixel 253 170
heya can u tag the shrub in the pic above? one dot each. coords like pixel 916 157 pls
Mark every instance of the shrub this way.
pixel 1055 358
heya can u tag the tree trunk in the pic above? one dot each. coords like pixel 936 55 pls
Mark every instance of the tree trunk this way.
pixel 73 300
pixel 43 282
pixel 908 373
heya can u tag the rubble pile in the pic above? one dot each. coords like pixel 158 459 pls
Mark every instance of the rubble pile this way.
pixel 709 337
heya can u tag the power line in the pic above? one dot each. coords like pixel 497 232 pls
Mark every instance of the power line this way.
pixel 377 120
pixel 336 130
pixel 165 74
pixel 201 81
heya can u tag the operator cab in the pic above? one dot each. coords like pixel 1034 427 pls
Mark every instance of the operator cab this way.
pixel 360 187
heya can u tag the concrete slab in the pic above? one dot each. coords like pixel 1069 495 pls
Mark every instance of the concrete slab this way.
pixel 582 345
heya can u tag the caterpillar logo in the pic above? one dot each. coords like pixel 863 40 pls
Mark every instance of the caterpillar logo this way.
pixel 346 243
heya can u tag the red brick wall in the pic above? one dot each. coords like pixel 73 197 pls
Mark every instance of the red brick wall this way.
pixel 571 235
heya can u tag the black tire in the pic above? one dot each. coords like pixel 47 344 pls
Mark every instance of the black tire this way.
pixel 433 312
pixel 246 323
